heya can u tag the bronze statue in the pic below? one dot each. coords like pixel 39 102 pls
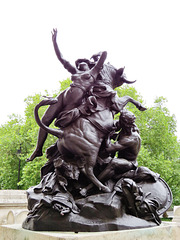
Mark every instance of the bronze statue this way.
pixel 83 75
pixel 88 182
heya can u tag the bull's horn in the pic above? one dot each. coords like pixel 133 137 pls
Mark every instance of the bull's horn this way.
pixel 127 81
pixel 120 72
pixel 120 78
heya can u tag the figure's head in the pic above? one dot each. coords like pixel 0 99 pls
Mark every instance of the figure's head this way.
pixel 127 120
pixel 70 171
pixel 147 209
pixel 127 116
pixel 83 64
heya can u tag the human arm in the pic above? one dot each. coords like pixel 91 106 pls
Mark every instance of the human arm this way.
pixel 122 144
pixel 99 64
pixel 59 55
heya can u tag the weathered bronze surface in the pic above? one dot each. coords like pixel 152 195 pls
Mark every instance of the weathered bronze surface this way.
pixel 91 183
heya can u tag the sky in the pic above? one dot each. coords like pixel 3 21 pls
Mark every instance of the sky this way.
pixel 142 35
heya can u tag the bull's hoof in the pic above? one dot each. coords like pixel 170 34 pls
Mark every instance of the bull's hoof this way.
pixel 142 108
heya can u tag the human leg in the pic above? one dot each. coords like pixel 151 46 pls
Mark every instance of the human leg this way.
pixel 47 119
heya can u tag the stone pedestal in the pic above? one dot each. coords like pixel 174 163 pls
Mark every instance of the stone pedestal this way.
pixel 176 217
pixel 13 206
pixel 169 231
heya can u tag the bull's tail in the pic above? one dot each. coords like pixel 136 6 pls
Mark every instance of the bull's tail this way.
pixel 55 132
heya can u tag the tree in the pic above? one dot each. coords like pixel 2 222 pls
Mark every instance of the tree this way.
pixel 19 132
pixel 10 140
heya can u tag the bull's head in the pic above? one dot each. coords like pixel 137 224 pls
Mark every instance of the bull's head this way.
pixel 110 75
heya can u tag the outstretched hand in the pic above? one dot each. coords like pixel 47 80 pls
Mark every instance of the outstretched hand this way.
pixel 54 34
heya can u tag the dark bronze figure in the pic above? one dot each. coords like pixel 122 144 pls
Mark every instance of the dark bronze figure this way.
pixel 88 182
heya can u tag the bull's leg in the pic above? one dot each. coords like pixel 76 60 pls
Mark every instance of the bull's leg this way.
pixel 81 147
pixel 126 99
pixel 91 176
pixel 122 164
pixel 107 173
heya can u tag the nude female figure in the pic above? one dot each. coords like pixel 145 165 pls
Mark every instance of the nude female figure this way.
pixel 83 76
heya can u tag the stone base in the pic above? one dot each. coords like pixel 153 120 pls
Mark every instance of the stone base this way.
pixel 16 216
pixel 176 217
pixel 52 221
pixel 13 206
pixel 167 231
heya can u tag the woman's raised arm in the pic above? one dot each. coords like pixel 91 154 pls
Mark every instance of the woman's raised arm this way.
pixel 97 68
pixel 59 55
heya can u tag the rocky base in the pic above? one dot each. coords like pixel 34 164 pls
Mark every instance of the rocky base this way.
pixel 52 221
pixel 128 206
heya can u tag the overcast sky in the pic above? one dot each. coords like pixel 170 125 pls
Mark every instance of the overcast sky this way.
pixel 141 35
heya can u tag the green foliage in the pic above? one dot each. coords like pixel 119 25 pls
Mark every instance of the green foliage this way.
pixel 65 84
pixel 10 140
pixel 22 133
pixel 31 173
pixel 160 150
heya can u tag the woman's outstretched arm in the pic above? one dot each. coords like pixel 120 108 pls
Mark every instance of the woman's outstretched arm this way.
pixel 59 55
pixel 99 64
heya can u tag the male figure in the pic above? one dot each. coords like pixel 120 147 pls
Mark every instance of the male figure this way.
pixel 127 145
